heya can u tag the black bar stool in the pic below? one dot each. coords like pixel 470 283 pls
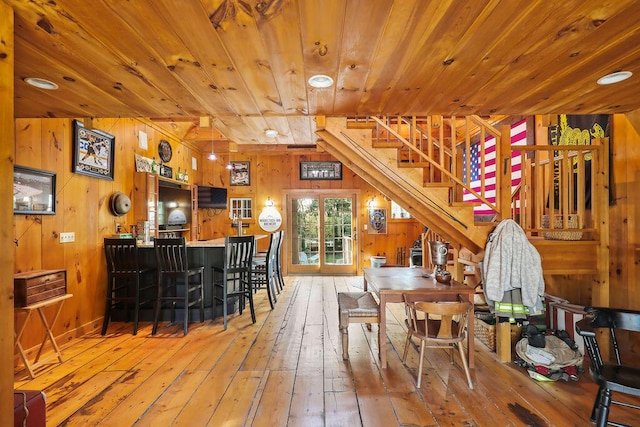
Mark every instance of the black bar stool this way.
pixel 174 271
pixel 234 279
pixel 126 280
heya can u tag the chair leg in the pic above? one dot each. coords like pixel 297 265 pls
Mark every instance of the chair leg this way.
pixel 107 311
pixel 201 290
pixel 251 308
pixel 465 365
pixel 603 409
pixel 186 305
pixel 420 363
pixel 596 404
pixel 344 331
pixel 224 302
pixel 156 314
pixel 406 348
pixel 136 307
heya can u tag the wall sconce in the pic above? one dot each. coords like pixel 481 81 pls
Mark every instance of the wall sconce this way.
pixel 269 202
pixel 371 203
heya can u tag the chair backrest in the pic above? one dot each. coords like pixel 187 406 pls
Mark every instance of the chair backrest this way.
pixel 443 320
pixel 272 253
pixel 239 253
pixel 608 318
pixel 121 255
pixel 171 255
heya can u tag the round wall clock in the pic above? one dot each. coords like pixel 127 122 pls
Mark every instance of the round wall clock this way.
pixel 164 150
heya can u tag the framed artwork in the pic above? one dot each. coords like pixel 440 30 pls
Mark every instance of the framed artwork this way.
pixel 320 170
pixel 93 152
pixel 34 191
pixel 377 221
pixel 240 173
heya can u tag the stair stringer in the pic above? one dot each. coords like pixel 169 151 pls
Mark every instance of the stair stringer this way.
pixel 353 147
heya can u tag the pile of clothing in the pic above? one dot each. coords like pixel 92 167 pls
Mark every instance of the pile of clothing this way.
pixel 549 357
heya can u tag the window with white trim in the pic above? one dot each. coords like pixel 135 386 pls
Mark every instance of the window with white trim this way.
pixel 241 208
pixel 397 212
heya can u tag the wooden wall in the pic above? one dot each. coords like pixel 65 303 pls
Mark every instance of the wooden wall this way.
pixel 82 207
pixel 273 174
pixel 6 212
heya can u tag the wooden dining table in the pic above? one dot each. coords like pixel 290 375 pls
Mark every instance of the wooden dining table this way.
pixel 390 283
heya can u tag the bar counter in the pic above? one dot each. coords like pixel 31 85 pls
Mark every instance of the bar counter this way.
pixel 207 253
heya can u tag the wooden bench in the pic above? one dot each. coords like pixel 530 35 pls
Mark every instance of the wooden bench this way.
pixel 356 307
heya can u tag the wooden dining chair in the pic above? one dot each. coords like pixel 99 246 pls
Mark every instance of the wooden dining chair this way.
pixel 233 280
pixel 610 376
pixel 129 285
pixel 174 272
pixel 437 325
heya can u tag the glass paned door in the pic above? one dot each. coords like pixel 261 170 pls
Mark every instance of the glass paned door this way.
pixel 322 233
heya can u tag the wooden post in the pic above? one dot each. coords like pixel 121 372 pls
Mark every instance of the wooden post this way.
pixel 503 341
pixel 7 154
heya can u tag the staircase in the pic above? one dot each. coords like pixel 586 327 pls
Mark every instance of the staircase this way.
pixel 419 163
pixel 413 168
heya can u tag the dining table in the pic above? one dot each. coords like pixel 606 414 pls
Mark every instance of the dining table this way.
pixel 389 284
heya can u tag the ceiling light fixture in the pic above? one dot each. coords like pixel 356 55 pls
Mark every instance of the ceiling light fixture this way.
pixel 616 77
pixel 320 81
pixel 41 83
pixel 271 133
pixel 212 155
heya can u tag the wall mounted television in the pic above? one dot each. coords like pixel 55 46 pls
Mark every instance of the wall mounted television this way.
pixel 212 197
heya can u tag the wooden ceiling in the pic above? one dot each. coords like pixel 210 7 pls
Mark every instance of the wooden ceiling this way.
pixel 245 63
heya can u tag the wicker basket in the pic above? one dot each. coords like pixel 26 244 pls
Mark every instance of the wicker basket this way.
pixel 558 223
pixel 485 332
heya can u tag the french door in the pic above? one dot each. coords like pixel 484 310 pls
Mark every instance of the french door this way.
pixel 322 232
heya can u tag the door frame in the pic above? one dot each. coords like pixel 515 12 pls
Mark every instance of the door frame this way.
pixel 301 270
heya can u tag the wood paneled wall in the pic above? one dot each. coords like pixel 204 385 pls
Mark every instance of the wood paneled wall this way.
pixel 7 151
pixel 272 175
pixel 82 207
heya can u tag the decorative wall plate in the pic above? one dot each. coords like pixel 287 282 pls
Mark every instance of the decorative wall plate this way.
pixel 165 151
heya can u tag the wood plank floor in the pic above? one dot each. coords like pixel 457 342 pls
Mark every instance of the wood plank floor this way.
pixel 287 370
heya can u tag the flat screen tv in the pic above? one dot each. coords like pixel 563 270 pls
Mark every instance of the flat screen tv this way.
pixel 212 197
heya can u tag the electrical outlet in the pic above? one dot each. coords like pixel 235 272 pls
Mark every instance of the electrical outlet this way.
pixel 67 237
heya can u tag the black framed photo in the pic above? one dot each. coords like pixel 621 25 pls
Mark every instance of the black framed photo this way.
pixel 320 170
pixel 93 152
pixel 34 191
pixel 240 173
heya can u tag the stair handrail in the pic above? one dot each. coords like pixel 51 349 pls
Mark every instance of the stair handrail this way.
pixel 425 157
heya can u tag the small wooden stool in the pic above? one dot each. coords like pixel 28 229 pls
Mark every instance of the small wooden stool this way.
pixel 356 307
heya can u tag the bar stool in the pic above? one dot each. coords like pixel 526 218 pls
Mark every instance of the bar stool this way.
pixel 234 279
pixel 279 261
pixel 126 280
pixel 174 270
pixel 264 271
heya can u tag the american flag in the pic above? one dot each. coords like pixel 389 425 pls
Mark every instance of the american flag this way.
pixel 518 137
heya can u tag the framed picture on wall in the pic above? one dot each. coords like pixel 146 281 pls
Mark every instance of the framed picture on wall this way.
pixel 240 173
pixel 34 191
pixel 320 170
pixel 93 152
pixel 377 221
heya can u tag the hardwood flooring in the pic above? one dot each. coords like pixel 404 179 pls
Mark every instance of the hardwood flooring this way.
pixel 287 369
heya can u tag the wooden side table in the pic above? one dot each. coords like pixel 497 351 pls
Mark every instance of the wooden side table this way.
pixel 48 325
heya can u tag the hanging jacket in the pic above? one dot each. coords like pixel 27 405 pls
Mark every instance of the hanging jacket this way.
pixel 512 262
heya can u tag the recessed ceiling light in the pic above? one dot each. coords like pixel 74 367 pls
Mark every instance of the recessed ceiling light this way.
pixel 41 83
pixel 616 77
pixel 320 81
pixel 271 133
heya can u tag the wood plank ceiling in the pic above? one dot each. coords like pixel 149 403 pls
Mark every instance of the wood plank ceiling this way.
pixel 246 63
